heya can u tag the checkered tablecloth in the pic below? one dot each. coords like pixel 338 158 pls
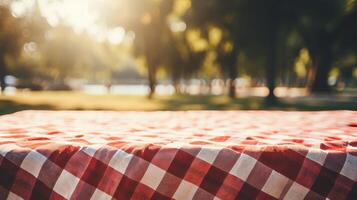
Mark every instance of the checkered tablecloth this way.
pixel 178 155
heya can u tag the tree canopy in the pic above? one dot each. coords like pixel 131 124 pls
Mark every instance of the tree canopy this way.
pixel 274 42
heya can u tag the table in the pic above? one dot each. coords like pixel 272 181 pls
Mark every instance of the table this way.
pixel 178 155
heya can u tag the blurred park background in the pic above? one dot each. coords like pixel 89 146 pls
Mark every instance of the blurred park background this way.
pixel 178 54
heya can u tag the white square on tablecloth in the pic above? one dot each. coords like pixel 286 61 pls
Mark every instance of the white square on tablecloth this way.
pixel 296 192
pixel 13 196
pixel 275 184
pixel 33 163
pixel 98 194
pixel 153 176
pixel 318 156
pixel 208 155
pixel 89 151
pixel 66 184
pixel 120 161
pixel 243 167
pixel 7 148
pixel 186 190
pixel 349 168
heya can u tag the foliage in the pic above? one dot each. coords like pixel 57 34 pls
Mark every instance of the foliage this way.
pixel 272 41
pixel 10 37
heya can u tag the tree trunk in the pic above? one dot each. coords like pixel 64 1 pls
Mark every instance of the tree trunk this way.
pixel 320 72
pixel 175 82
pixel 271 66
pixel 270 76
pixel 232 73
pixel 272 48
pixel 231 81
pixel 3 84
pixel 2 76
pixel 152 80
pixel 232 88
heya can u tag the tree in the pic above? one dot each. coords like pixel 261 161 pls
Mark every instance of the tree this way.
pixel 265 30
pixel 253 28
pixel 67 54
pixel 149 22
pixel 21 33
pixel 222 15
pixel 10 40
pixel 329 32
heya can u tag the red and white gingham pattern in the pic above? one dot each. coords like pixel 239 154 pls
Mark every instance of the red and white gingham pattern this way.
pixel 178 155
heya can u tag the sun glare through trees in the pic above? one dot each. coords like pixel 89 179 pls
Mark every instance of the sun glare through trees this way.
pixel 238 48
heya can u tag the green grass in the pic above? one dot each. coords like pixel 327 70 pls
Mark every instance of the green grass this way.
pixel 81 101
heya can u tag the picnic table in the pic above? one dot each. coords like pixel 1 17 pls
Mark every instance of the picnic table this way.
pixel 178 155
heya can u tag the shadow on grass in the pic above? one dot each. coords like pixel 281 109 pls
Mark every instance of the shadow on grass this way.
pixel 187 102
pixel 315 105
pixel 9 106
pixel 183 102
